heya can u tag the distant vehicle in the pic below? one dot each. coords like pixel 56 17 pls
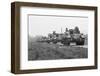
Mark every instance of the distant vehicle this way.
pixel 69 36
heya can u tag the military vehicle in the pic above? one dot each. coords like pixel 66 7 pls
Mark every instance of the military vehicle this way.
pixel 69 36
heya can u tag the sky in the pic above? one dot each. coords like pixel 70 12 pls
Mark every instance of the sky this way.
pixel 44 24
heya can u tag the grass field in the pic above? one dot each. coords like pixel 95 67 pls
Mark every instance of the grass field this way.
pixel 45 51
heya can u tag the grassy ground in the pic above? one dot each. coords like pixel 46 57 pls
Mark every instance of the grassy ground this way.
pixel 45 51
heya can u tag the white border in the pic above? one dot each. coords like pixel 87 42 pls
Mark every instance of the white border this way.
pixel 25 64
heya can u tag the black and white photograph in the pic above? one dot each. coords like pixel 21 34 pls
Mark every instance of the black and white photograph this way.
pixel 52 37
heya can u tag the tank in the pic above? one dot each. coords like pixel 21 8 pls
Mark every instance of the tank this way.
pixel 66 38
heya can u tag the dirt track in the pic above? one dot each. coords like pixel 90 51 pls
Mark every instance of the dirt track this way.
pixel 84 46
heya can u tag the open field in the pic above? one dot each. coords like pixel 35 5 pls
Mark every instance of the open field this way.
pixel 45 51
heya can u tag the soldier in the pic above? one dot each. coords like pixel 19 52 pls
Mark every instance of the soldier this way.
pixel 54 34
pixel 66 31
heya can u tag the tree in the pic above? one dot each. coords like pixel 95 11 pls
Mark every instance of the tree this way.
pixel 76 30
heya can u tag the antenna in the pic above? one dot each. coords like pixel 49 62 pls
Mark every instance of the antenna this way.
pixel 61 30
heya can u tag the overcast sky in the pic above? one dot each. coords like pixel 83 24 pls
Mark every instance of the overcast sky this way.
pixel 42 25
